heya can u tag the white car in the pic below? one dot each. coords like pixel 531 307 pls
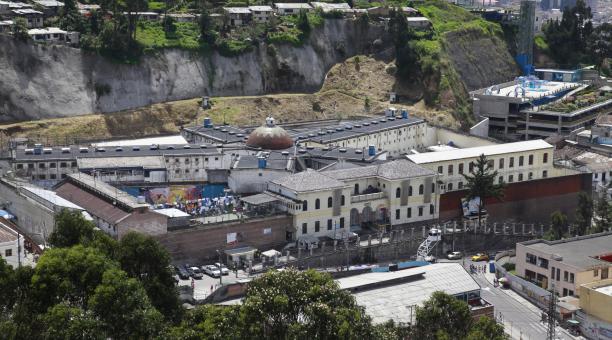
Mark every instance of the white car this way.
pixel 223 268
pixel 212 270
pixel 455 255
pixel 430 258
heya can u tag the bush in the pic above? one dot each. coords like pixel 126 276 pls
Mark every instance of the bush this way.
pixel 230 47
pixel 509 266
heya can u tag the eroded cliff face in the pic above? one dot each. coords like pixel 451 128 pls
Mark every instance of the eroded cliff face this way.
pixel 39 81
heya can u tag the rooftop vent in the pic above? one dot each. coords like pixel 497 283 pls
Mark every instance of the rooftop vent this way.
pixel 65 150
pixel 216 128
pixel 186 146
pixel 326 148
pixel 29 151
pixel 119 149
pixel 285 153
pixel 311 135
pixel 339 129
pixel 100 150
pixel 136 148
pixel 348 127
pixel 374 122
pixel 224 130
pixel 302 151
pixel 342 150
pixel 170 147
pixel 366 124
pixel 357 126
pixel 47 150
pixel 357 151
pixel 310 147
pixel 83 150
pixel 203 146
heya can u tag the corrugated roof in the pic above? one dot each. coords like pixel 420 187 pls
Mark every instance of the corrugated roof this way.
pixel 488 150
pixel 7 233
pixel 102 189
pixel 52 197
pixel 393 170
pixel 93 204
pixel 150 162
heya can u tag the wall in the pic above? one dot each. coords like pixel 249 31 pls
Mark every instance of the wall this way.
pixel 243 181
pixel 199 244
pixel 146 222
pixel 41 81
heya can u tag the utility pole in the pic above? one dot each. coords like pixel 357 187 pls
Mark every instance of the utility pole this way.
pixel 550 334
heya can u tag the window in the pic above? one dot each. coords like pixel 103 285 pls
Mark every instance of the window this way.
pixel 73 164
pixel 186 171
pixel 460 185
pixel 520 177
pixel 8 252
pixel 409 212
pixel 342 200
pixel 329 224
pixel 595 272
pixel 450 169
pixel 397 214
pixel 564 291
pixel 500 180
pixel 530 258
pixel 570 292
pixel 329 202
pixel 543 263
pixel 490 164
pixel 565 275
pixel 421 189
pixel 511 163
pixel 471 166
pixel 460 168
pixel 604 273
pixel 544 174
pixel 420 211
pixel 552 273
pixel 545 158
pixel 41 165
pixel 356 191
pixel 52 165
pixel 511 178
pixel 53 176
pixel 449 187
pixel 30 166
pixel 317 204
pixel 571 279
pixel 186 160
pixel 501 163
pixel 530 176
pixel 431 209
pixel 398 193
pixel 558 274
pixel 42 177
pixel 304 228
pixel 305 205
pixel 440 170
pixel 62 164
pixel 216 158
pixel 433 188
pixel 410 190
pixel 341 222
pixel 317 226
pixel 530 159
pixel 64 175
pixel 521 160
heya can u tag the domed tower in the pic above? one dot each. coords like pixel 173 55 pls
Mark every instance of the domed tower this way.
pixel 269 137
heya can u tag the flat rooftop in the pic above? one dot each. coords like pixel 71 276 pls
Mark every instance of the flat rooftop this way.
pixel 488 150
pixel 605 290
pixel 546 89
pixel 389 295
pixel 579 252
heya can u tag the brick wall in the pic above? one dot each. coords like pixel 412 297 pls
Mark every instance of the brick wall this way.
pixel 198 245
pixel 532 200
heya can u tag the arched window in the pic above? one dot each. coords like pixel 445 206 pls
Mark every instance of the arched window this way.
pixel 317 204
pixel 342 200
pixel 421 188
pixel 410 190
pixel 398 192
pixel 449 187
pixel 356 188
pixel 304 205
pixel 329 202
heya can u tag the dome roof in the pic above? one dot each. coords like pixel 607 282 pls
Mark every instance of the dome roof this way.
pixel 269 137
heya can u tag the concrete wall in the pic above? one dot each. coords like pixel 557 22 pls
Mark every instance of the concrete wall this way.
pixel 33 218
pixel 596 303
pixel 198 245
pixel 249 181
pixel 147 222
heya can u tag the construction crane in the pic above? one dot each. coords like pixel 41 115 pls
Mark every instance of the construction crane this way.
pixel 433 237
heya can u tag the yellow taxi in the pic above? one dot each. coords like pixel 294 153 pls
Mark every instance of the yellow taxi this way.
pixel 480 257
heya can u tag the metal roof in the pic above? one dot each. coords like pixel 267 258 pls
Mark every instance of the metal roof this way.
pixel 398 169
pixel 95 205
pixel 258 199
pixel 52 198
pixel 219 133
pixel 309 180
pixel 101 189
pixel 7 233
pixel 172 212
pixel 146 162
pixel 388 295
pixel 488 150
pixel 292 5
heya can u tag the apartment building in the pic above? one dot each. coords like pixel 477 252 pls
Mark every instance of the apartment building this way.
pixel 387 195
pixel 566 264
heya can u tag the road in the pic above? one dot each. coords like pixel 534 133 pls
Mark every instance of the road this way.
pixel 520 317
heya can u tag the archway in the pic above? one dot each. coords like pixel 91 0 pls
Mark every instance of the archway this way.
pixel 355 218
pixel 366 215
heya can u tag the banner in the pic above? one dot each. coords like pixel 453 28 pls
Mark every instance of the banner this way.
pixel 232 238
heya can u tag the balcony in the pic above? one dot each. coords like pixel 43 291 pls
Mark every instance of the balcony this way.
pixel 368 197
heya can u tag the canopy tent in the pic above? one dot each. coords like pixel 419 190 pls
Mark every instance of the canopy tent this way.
pixel 259 199
pixel 271 253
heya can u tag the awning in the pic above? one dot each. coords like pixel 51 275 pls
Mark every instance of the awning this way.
pixel 258 199
pixel 271 253
pixel 240 251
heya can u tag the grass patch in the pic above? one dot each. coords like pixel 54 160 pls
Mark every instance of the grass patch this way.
pixel 231 47
pixel 446 17
pixel 151 35
pixel 156 5
pixel 540 42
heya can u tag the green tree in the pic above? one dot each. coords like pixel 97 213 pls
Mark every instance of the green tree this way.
pixel 603 215
pixel 480 184
pixel 584 213
pixel 558 226
pixel 210 322
pixel 207 33
pixel 406 58
pixel 20 29
pixel 71 228
pixel 124 309
pixel 143 258
pixel 567 39
pixel 486 328
pixel 71 323
pixel 70 18
pixel 303 24
pixel 306 305
pixel 442 316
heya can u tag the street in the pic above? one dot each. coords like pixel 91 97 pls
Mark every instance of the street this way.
pixel 520 317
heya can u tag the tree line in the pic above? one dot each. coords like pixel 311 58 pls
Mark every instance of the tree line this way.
pixel 90 286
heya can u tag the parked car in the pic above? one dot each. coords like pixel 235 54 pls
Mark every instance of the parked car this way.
pixel 211 270
pixel 480 257
pixel 222 268
pixel 454 255
pixel 182 273
pixel 197 273
pixel 430 258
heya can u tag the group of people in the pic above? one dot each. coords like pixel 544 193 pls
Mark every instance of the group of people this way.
pixel 478 268
pixel 207 206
